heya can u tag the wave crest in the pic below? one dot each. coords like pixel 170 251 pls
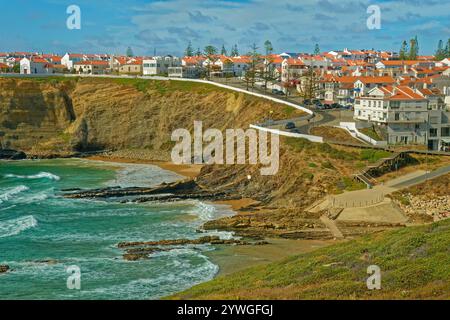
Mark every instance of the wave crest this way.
pixel 40 175
pixel 8 193
pixel 15 226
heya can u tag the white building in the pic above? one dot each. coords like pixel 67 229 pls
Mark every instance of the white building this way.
pixel 159 65
pixel 69 59
pixel 405 115
pixel 33 66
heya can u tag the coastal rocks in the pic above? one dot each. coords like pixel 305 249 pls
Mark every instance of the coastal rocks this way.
pixel 135 251
pixel 4 268
pixel 421 207
pixel 181 242
pixel 8 154
pixel 180 189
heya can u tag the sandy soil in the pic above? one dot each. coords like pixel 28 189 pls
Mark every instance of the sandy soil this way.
pixel 231 259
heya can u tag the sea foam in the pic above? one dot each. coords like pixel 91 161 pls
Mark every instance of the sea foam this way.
pixel 15 226
pixel 40 175
pixel 7 194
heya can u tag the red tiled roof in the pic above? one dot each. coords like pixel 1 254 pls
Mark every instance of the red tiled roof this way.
pixel 93 63
pixel 39 60
pixel 402 93
pixel 384 80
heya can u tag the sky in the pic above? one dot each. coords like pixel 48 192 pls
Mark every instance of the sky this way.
pixel 166 26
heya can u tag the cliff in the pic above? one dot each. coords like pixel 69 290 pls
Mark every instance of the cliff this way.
pixel 59 116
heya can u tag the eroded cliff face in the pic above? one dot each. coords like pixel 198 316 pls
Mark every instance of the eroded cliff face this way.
pixel 33 113
pixel 58 117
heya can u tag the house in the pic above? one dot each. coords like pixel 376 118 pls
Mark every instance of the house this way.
pixel 364 84
pixel 399 111
pixel 159 65
pixel 91 67
pixel 242 63
pixel 33 65
pixel 436 100
pixel 335 89
pixel 189 72
pixel 395 68
pixel 445 62
pixel 4 68
pixel 133 67
pixel 69 59
pixel 292 69
pixel 55 68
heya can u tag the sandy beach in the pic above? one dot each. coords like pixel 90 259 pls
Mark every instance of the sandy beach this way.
pixel 187 170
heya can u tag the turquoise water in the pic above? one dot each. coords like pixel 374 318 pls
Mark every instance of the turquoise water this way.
pixel 37 225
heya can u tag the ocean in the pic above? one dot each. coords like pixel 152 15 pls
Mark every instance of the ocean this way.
pixel 42 234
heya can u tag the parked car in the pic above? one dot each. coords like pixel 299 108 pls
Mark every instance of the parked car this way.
pixel 276 91
pixel 327 106
pixel 335 106
pixel 307 102
pixel 289 126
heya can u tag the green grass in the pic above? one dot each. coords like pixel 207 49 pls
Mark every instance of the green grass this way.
pixel 371 133
pixel 372 155
pixel 352 185
pixel 414 265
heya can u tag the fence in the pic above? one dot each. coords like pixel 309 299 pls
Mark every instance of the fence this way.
pixel 339 204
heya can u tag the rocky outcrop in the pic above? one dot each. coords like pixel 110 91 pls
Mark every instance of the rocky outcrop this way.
pixel 416 206
pixel 4 268
pixel 143 250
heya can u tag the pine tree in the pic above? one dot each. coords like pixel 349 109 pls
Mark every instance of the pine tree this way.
pixel 198 53
pixel 234 51
pixel 413 50
pixel 317 49
pixel 403 51
pixel 417 48
pixel 211 56
pixel 189 51
pixel 440 52
pixel 447 49
pixel 130 52
pixel 224 51
pixel 269 47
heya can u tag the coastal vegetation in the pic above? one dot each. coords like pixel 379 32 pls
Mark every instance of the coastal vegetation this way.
pixel 413 263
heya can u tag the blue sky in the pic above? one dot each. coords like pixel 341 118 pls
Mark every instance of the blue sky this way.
pixel 110 26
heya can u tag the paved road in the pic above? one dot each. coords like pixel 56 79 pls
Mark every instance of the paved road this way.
pixel 425 177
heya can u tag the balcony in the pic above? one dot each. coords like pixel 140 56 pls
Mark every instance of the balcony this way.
pixel 410 120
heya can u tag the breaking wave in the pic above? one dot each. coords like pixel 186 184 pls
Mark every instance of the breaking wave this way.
pixel 14 227
pixel 40 175
pixel 9 193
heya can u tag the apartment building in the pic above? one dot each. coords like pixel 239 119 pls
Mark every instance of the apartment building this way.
pixel 405 116
pixel 159 65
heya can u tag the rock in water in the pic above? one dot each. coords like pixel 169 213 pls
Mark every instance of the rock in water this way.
pixel 8 154
pixel 4 268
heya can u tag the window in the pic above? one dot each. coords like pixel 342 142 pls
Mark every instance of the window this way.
pixel 433 132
